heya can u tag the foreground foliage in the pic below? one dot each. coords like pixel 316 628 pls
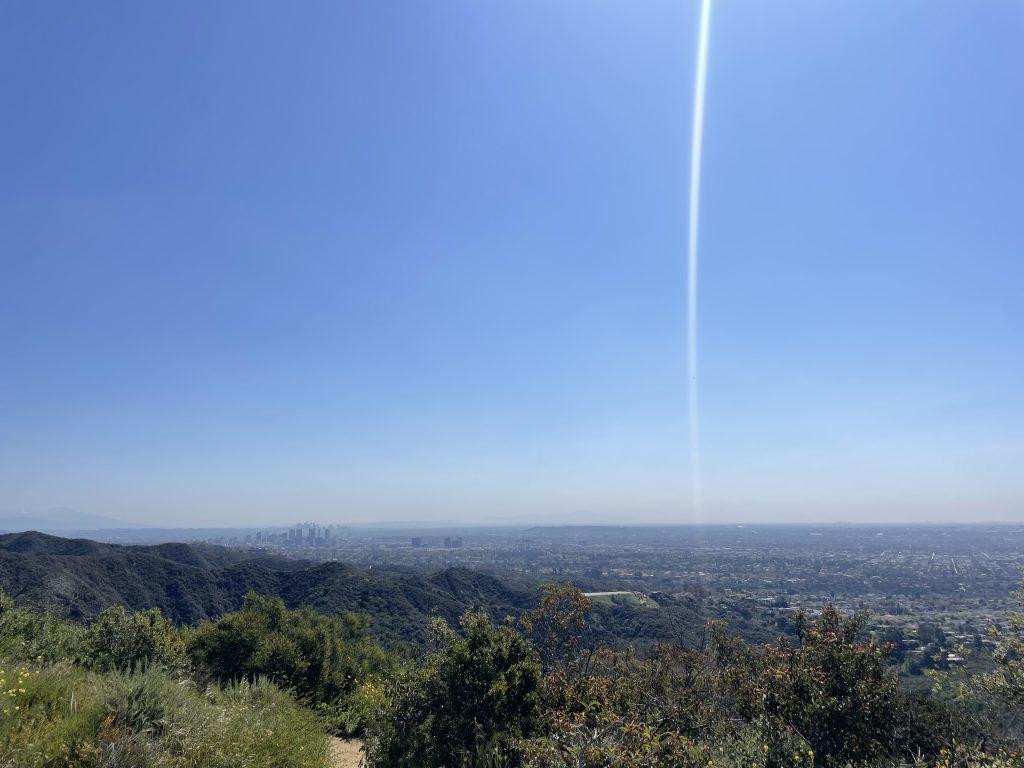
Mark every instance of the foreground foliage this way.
pixel 473 700
pixel 261 687
pixel 322 659
pixel 995 697
pixel 67 716
pixel 123 692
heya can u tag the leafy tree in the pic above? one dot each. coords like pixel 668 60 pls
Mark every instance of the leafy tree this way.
pixel 893 638
pixel 929 633
pixel 557 623
pixel 475 698
pixel 833 691
pixel 826 699
pixel 622 711
pixel 996 697
pixel 1006 682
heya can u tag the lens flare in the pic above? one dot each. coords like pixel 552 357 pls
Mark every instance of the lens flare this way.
pixel 696 151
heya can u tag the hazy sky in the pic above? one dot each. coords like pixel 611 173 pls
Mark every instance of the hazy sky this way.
pixel 269 261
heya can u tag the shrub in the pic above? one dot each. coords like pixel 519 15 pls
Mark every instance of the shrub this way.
pixel 119 640
pixel 470 704
pixel 66 717
pixel 831 690
pixel 139 703
pixel 251 724
pixel 995 698
pixel 557 624
pixel 27 634
pixel 322 659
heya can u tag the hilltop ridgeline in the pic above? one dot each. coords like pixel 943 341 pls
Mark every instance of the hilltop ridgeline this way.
pixel 190 583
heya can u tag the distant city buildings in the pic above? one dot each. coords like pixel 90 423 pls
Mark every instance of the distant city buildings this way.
pixel 327 542
pixel 929 590
pixel 302 536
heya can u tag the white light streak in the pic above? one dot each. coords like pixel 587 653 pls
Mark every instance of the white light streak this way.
pixel 696 153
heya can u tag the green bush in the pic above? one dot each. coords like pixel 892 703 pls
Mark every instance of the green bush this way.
pixel 112 695
pixel 832 690
pixel 28 634
pixel 472 702
pixel 140 703
pixel 322 659
pixel 994 698
pixel 828 700
pixel 122 640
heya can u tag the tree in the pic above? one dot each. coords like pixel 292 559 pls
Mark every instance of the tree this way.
pixel 470 704
pixel 831 690
pixel 557 623
pixel 1006 682
pixel 998 695
pixel 893 638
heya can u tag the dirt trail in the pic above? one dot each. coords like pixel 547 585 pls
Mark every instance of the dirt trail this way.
pixel 345 753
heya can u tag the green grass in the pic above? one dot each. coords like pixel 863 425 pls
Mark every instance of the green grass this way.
pixel 630 599
pixel 61 715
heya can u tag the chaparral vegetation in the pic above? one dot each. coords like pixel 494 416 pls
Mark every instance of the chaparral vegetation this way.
pixel 266 685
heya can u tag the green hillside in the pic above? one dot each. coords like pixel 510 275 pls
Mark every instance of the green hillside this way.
pixel 189 583
pixel 193 582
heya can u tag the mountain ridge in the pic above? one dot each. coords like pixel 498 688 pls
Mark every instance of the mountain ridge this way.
pixel 190 583
pixel 79 578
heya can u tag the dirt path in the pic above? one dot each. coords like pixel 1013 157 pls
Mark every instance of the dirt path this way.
pixel 345 753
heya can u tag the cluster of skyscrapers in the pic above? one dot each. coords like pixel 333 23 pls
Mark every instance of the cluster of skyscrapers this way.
pixel 304 535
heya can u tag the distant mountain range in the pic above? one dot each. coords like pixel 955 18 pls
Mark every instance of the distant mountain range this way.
pixel 79 578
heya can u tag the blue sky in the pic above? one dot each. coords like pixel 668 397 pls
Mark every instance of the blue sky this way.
pixel 407 261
